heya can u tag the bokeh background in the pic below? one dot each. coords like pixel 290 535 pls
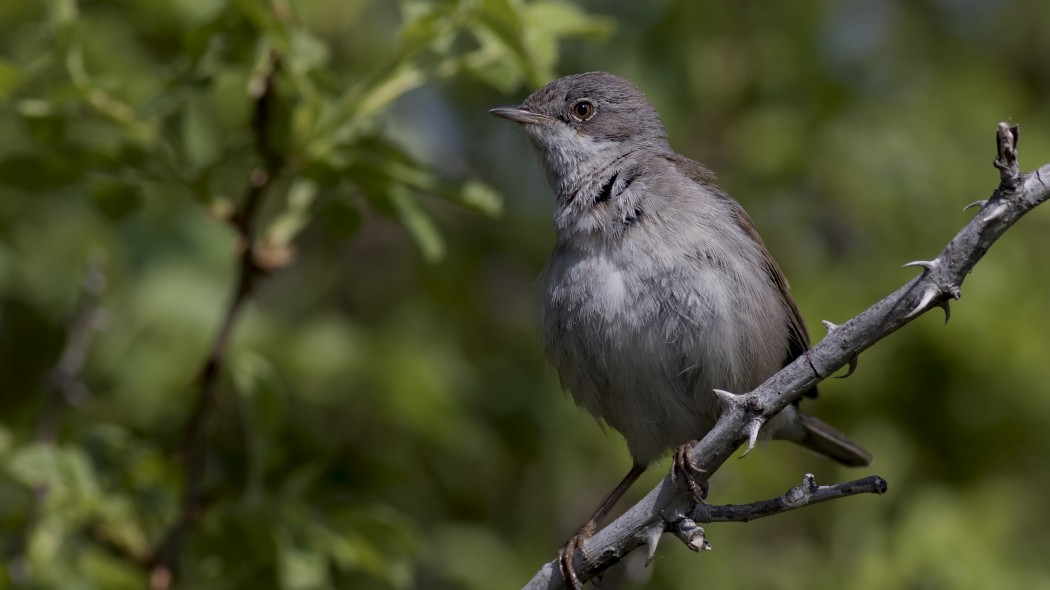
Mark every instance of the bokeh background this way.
pixel 386 419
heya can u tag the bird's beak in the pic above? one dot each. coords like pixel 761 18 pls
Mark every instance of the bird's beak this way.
pixel 519 114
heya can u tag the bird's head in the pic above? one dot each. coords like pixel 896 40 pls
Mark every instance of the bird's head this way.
pixel 583 123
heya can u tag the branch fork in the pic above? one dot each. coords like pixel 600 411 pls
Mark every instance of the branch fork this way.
pixel 685 525
pixel 751 407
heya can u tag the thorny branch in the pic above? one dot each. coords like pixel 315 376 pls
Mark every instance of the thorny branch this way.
pixel 165 560
pixel 661 510
pixel 685 528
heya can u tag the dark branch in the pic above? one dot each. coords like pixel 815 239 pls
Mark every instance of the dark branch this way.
pixel 165 561
pixel 797 497
pixel 692 535
pixel 941 281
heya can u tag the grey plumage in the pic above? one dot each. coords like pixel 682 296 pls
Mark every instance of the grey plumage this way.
pixel 659 289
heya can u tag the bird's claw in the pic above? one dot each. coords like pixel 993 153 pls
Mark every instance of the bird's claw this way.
pixel 682 466
pixel 568 552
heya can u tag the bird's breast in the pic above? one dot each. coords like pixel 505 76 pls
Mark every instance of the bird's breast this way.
pixel 640 336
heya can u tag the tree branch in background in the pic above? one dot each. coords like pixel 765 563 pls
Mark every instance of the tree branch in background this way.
pixel 64 384
pixel 667 508
pixel 63 388
pixel 165 561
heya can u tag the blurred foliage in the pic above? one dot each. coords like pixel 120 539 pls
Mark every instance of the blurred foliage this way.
pixel 386 420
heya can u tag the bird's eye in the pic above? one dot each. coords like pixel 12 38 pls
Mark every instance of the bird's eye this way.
pixel 583 110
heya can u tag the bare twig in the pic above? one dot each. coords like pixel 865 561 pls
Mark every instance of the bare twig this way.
pixel 685 527
pixel 939 282
pixel 166 558
pixel 801 495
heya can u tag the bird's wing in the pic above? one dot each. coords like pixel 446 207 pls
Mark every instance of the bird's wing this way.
pixel 798 337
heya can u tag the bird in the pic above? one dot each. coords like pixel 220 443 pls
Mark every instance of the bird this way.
pixel 658 290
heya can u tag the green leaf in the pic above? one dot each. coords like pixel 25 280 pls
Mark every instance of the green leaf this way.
pixel 308 53
pixel 562 19
pixel 10 78
pixel 300 568
pixel 379 162
pixel 373 538
pixel 493 62
pixel 417 222
pixel 504 19
pixel 424 22
pixel 287 225
pixel 116 200
pixel 481 197
pixel 48 127
pixel 405 77
pixel 66 471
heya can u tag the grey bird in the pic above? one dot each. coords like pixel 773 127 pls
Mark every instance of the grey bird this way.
pixel 659 289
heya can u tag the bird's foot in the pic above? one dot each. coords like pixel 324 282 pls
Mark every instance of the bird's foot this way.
pixel 682 467
pixel 568 552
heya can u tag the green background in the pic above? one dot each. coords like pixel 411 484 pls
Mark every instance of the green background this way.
pixel 386 419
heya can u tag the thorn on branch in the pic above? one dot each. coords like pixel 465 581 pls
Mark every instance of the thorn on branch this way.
pixel 979 204
pixel 852 367
pixel 924 301
pixel 753 428
pixel 651 536
pixel 927 265
pixel 730 400
pixel 947 310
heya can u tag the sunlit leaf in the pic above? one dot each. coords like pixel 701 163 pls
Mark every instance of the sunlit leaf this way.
pixel 300 568
pixel 66 471
pixel 404 78
pixel 504 19
pixel 295 215
pixel 10 77
pixel 307 52
pixel 481 197
pixel 563 19
pixel 417 222
pixel 494 61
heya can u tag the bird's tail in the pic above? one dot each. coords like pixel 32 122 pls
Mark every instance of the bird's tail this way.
pixel 821 438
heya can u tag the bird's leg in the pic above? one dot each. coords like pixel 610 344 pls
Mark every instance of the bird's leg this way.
pixel 683 467
pixel 566 553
